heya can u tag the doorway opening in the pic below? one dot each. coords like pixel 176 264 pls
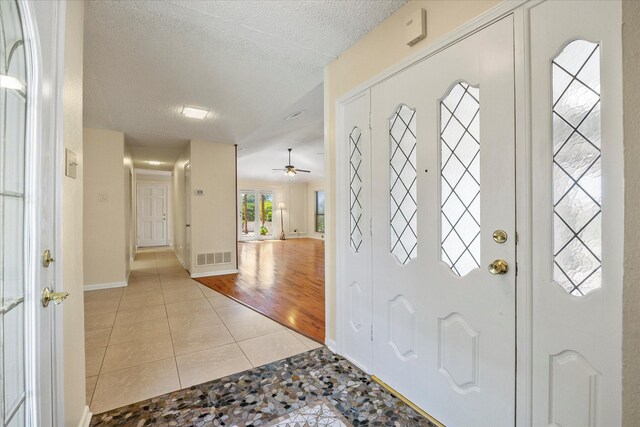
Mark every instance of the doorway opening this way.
pixel 256 215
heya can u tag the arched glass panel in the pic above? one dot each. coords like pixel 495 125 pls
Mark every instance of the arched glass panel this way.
pixel 355 205
pixel 13 108
pixel 402 184
pixel 460 178
pixel 577 170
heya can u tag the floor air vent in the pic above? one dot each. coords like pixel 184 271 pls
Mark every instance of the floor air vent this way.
pixel 213 258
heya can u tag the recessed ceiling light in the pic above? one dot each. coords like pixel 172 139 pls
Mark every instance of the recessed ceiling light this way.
pixel 294 115
pixel 194 113
pixel 9 82
pixel 154 162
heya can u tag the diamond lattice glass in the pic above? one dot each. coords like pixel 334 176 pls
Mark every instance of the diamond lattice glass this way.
pixel 460 178
pixel 355 207
pixel 577 168
pixel 402 184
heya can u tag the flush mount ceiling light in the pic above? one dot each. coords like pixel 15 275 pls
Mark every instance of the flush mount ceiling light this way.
pixel 194 113
pixel 8 82
pixel 294 115
pixel 154 162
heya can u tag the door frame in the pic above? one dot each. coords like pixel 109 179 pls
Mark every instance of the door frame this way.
pixel 519 9
pixel 257 236
pixel 35 131
pixel 166 208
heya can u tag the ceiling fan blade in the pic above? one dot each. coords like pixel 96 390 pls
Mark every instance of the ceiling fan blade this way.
pixel 303 170
pixel 278 169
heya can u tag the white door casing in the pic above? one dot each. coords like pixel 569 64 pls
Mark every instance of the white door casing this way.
pixel 187 216
pixel 355 245
pixel 152 215
pixel 446 340
pixel 577 195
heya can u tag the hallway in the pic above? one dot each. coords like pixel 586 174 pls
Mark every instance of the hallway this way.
pixel 166 332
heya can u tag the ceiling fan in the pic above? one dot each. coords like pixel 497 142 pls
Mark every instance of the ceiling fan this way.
pixel 289 169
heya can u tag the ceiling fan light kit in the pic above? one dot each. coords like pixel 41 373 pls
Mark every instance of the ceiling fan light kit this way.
pixel 290 170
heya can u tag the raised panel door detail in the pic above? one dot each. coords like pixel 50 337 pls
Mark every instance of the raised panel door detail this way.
pixel 460 178
pixel 458 353
pixel 577 170
pixel 572 390
pixel 355 306
pixel 355 189
pixel 402 327
pixel 402 184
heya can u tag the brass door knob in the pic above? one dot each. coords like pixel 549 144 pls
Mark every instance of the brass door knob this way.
pixel 499 266
pixel 57 297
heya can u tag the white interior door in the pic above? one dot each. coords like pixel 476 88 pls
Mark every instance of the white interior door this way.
pixel 443 151
pixel 578 213
pixel 152 215
pixel 355 247
pixel 187 215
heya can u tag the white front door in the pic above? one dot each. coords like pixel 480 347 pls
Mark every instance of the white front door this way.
pixel 443 209
pixel 577 215
pixel 29 132
pixel 152 215
pixel 355 247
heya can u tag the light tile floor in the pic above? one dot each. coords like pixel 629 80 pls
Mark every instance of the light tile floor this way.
pixel 165 332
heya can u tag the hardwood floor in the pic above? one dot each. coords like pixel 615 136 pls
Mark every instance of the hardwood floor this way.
pixel 283 280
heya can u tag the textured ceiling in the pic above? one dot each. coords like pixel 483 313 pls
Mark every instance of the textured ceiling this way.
pixel 249 62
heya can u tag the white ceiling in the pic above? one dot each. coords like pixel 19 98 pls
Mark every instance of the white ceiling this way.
pixel 250 62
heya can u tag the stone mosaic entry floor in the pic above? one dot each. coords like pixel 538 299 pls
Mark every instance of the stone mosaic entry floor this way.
pixel 316 388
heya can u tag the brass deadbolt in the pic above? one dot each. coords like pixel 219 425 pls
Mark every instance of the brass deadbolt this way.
pixel 499 236
pixel 47 259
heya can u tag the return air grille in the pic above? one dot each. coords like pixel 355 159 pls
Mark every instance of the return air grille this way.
pixel 213 258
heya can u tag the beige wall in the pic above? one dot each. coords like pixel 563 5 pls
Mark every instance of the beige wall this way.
pixel 71 235
pixel 178 205
pixel 296 210
pixel 380 49
pixel 104 207
pixel 213 215
pixel 631 290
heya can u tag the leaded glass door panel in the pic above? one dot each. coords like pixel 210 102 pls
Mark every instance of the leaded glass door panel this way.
pixel 577 214
pixel 443 306
pixel 355 232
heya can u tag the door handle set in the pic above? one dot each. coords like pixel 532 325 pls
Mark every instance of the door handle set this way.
pixel 499 266
pixel 48 296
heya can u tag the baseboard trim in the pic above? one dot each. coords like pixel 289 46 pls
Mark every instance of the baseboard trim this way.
pixel 99 286
pixel 331 345
pixel 86 417
pixel 214 273
pixel 179 259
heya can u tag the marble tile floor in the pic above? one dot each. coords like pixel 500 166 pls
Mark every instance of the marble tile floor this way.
pixel 165 332
pixel 315 388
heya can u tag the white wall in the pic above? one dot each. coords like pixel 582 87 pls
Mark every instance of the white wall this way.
pixel 71 233
pixel 104 208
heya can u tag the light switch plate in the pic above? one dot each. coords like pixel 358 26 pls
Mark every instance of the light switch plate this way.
pixel 416 27
pixel 199 192
pixel 70 163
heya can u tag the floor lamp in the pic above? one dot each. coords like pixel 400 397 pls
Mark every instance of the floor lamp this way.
pixel 281 207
